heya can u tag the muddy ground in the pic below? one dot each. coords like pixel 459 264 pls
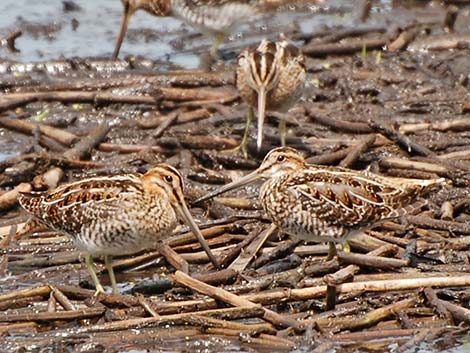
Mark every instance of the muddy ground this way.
pixel 388 90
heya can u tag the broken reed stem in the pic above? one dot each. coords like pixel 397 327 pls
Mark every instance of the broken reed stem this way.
pixel 273 296
pixel 230 298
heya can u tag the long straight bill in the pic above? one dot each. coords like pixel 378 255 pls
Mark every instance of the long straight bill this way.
pixel 128 12
pixel 188 218
pixel 261 115
pixel 247 179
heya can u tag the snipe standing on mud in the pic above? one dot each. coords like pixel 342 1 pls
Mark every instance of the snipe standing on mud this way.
pixel 218 18
pixel 116 215
pixel 269 77
pixel 326 204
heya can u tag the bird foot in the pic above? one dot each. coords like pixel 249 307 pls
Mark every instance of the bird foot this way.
pixel 332 252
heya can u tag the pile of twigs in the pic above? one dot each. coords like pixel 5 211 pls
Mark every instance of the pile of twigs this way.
pixel 398 113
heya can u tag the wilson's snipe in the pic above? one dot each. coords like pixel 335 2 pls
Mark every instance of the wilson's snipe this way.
pixel 116 215
pixel 270 77
pixel 216 17
pixel 328 204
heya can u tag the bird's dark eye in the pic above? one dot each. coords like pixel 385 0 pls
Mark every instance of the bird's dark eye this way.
pixel 168 178
pixel 281 158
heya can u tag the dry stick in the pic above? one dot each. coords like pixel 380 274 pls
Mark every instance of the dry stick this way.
pixel 49 179
pixel 58 315
pixel 403 141
pixel 18 326
pixel 173 258
pixel 330 158
pixel 415 341
pixel 278 252
pixel 106 299
pixel 430 223
pixel 194 94
pixel 347 273
pixel 98 97
pixel 250 251
pixel 369 319
pixel 176 117
pixel 208 102
pixel 459 313
pixel 460 124
pixel 464 154
pixel 436 303
pixel 164 126
pixel 274 296
pixel 205 321
pixel 357 151
pixel 51 303
pixel 392 162
pixel 366 6
pixel 186 78
pixel 225 313
pixel 365 336
pixel 147 307
pixel 62 299
pixel 441 42
pixel 9 40
pixel 64 137
pixel 405 38
pixel 268 342
pixel 26 293
pixel 451 15
pixel 237 202
pixel 345 47
pixel 126 148
pixel 341 125
pixel 372 261
pixel 404 319
pixel 227 297
pixel 9 199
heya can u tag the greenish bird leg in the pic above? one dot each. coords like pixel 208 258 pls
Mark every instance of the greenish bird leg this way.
pixel 331 251
pixel 249 119
pixel 346 246
pixel 91 269
pixel 282 132
pixel 112 277
pixel 243 143
pixel 218 40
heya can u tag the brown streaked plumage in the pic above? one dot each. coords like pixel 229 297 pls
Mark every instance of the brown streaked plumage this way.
pixel 216 17
pixel 270 77
pixel 321 203
pixel 116 215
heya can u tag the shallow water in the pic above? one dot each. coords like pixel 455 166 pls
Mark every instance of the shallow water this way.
pixel 51 33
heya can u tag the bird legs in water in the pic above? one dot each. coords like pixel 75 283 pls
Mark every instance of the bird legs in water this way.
pixel 91 269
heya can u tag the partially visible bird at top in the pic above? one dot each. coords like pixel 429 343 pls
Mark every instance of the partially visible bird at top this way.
pixel 218 18
pixel 116 215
